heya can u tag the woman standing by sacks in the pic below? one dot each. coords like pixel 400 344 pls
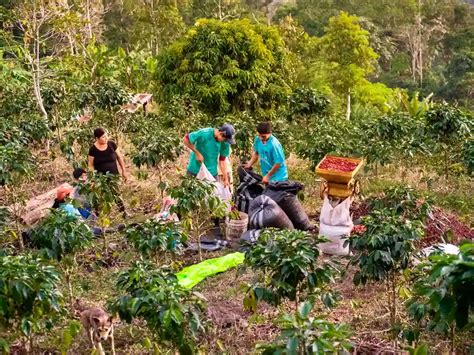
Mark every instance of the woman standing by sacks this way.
pixel 105 157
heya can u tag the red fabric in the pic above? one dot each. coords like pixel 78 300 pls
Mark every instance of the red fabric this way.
pixel 222 158
pixel 187 137
pixel 63 192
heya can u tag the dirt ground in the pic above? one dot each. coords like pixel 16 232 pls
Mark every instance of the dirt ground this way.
pixel 230 329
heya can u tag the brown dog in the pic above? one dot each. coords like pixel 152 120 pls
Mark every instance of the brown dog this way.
pixel 98 325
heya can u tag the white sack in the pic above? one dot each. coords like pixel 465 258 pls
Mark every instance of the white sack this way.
pixel 220 190
pixel 337 235
pixel 336 216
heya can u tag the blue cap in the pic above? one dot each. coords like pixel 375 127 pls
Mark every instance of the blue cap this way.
pixel 229 133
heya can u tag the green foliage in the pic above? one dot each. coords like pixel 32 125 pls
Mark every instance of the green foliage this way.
pixel 404 201
pixel 307 102
pixel 448 124
pixel 30 300
pixel 172 313
pixel 61 234
pixel 303 334
pixel 100 191
pixel 226 67
pixel 155 146
pixel 345 46
pixel 443 291
pixel 468 155
pixel 16 162
pixel 154 237
pixel 385 247
pixel 195 198
pixel 288 260
pixel 331 135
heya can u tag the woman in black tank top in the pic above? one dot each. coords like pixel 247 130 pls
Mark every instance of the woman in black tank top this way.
pixel 104 158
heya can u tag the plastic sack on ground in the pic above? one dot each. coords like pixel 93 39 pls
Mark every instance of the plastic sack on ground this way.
pixel 192 275
pixel 219 188
pixel 250 236
pixel 336 216
pixel 284 194
pixel 265 213
pixel 38 207
pixel 444 248
pixel 249 188
pixel 337 235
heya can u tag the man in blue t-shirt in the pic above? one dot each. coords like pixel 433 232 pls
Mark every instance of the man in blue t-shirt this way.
pixel 269 151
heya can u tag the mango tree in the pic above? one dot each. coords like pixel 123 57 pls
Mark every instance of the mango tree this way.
pixel 227 67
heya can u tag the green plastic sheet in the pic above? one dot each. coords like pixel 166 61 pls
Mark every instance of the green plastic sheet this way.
pixel 192 275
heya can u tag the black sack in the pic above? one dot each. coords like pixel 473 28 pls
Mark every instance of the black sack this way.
pixel 249 188
pixel 284 194
pixel 265 213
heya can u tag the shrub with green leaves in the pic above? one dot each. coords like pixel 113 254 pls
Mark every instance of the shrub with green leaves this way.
pixel 384 250
pixel 155 146
pixel 288 261
pixel 152 238
pixel 100 191
pixel 16 162
pixel 404 201
pixel 304 334
pixel 196 200
pixel 468 155
pixel 449 127
pixel 61 234
pixel 443 292
pixel 385 247
pixel 30 300
pixel 172 313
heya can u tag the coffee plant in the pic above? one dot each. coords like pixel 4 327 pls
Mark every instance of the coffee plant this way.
pixel 156 147
pixel 196 205
pixel 443 292
pixel 100 191
pixel 60 234
pixel 405 201
pixel 154 238
pixel 30 300
pixel 384 250
pixel 288 260
pixel 448 126
pixel 304 334
pixel 172 313
pixel 468 155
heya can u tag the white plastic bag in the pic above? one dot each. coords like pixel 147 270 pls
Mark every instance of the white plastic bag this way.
pixel 336 216
pixel 337 235
pixel 219 189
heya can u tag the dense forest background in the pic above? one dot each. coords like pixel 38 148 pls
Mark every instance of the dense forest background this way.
pixel 420 45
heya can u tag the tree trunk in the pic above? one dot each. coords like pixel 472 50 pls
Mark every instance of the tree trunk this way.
pixel 348 106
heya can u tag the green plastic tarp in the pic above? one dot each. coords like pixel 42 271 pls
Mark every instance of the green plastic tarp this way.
pixel 194 274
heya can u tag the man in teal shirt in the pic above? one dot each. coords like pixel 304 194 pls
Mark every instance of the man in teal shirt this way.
pixel 268 149
pixel 210 146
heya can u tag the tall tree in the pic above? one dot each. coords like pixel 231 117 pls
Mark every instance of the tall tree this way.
pixel 345 46
pixel 227 67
